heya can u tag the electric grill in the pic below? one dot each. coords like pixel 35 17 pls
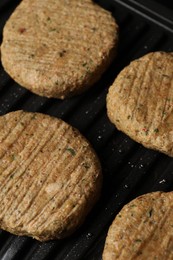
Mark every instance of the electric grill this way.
pixel 129 169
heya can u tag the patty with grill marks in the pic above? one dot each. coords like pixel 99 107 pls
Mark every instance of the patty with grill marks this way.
pixel 58 48
pixel 140 101
pixel 50 177
pixel 143 229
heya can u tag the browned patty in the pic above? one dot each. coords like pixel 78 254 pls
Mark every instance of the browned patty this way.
pixel 58 48
pixel 50 177
pixel 142 230
pixel 140 101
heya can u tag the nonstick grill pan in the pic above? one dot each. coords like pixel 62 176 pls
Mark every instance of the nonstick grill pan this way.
pixel 129 169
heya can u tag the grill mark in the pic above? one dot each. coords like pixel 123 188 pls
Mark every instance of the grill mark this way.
pixel 70 194
pixel 82 197
pixel 148 90
pixel 138 230
pixel 143 78
pixel 75 161
pixel 130 89
pixel 49 59
pixel 10 167
pixel 28 191
pixel 10 129
pixel 48 202
pixel 11 132
pixel 169 241
pixel 13 164
pixel 46 176
pixel 38 66
pixel 27 163
pixel 166 107
pixel 152 122
pixel 166 99
pixel 170 256
pixel 158 227
pixel 69 26
pixel 54 42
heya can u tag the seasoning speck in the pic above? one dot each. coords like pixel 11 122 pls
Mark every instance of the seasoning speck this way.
pixel 22 30
pixel 71 150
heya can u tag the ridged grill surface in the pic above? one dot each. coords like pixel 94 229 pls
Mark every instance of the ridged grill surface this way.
pixel 129 169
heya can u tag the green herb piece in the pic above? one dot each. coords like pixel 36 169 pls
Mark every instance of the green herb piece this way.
pixel 71 150
pixel 145 130
pixel 156 130
pixel 138 240
pixel 13 157
pixel 150 212
pixel 33 116
pixel 84 64
pixel 52 29
pixel 86 165
pixel 133 205
pixel 31 55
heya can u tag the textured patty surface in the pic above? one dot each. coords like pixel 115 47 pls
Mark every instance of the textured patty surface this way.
pixel 142 230
pixel 50 177
pixel 58 48
pixel 140 101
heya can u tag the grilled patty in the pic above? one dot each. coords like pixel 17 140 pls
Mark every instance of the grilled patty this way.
pixel 140 101
pixel 50 176
pixel 58 48
pixel 142 230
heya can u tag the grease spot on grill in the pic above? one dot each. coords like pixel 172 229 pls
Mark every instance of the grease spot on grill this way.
pixel 99 137
pixel 131 165
pixel 162 181
pixel 89 235
pixel 141 166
